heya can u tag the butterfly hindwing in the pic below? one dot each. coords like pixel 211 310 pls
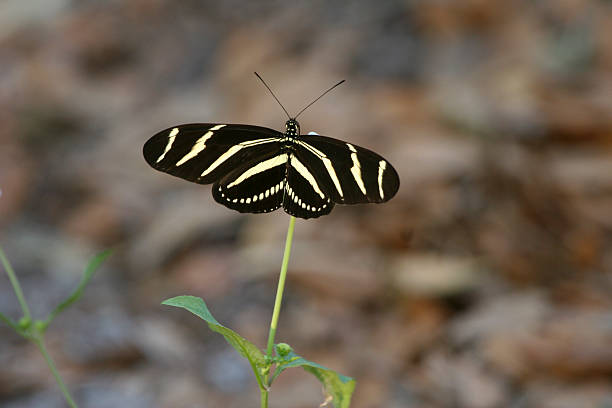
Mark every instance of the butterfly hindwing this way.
pixel 205 152
pixel 304 195
pixel 254 187
pixel 349 174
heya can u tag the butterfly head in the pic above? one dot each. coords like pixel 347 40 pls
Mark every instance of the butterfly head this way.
pixel 292 128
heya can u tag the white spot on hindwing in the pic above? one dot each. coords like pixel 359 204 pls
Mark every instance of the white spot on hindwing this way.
pixel 257 197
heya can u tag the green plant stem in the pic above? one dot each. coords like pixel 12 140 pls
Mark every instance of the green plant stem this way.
pixel 32 333
pixel 280 288
pixel 39 340
pixel 16 286
pixel 6 320
pixel 277 306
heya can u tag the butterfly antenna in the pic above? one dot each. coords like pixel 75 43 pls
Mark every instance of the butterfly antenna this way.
pixel 322 95
pixel 281 105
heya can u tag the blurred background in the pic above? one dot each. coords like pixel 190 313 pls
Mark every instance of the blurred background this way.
pixel 484 283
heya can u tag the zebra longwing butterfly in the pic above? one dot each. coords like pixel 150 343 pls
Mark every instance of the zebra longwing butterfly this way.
pixel 257 170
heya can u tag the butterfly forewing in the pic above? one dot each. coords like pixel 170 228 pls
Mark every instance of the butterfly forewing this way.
pixel 347 173
pixel 205 152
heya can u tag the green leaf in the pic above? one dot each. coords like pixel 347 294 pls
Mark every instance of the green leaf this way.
pixel 92 266
pixel 339 387
pixel 246 349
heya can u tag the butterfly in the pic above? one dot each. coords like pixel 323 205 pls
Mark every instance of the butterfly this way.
pixel 258 170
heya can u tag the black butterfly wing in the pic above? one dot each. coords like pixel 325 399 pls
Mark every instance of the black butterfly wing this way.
pixel 254 187
pixel 304 195
pixel 347 173
pixel 206 152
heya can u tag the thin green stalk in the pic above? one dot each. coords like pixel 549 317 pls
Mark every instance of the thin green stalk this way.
pixel 16 286
pixel 40 343
pixel 32 332
pixel 6 320
pixel 280 288
pixel 277 306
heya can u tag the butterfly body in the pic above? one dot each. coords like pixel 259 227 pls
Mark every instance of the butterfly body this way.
pixel 292 129
pixel 256 169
